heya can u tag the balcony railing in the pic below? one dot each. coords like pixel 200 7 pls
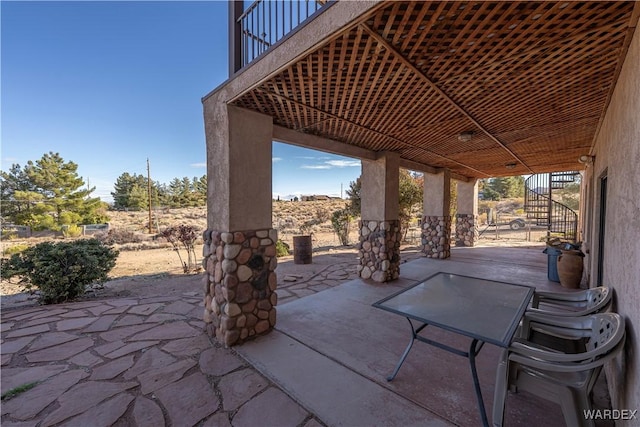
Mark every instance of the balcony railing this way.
pixel 264 23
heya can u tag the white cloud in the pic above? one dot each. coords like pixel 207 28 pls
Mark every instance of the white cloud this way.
pixel 343 163
pixel 315 167
pixel 198 165
pixel 331 164
pixel 276 159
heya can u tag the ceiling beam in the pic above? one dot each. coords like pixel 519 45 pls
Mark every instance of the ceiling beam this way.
pixel 306 140
pixel 380 39
pixel 293 101
pixel 314 142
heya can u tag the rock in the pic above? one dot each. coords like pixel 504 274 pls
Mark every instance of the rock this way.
pixel 244 273
pixel 232 310
pixel 231 251
pixel 229 266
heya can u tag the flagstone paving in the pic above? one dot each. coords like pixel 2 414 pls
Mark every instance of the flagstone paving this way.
pixel 148 363
pixel 145 361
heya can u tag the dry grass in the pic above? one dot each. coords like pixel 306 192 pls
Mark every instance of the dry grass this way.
pixel 148 255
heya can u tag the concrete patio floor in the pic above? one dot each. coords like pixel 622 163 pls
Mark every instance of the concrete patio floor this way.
pixel 146 361
pixel 332 352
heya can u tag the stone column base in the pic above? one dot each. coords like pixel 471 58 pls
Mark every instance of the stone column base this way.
pixel 466 230
pixel 379 250
pixel 436 236
pixel 239 284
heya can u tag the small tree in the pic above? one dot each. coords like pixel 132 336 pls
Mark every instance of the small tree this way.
pixel 185 235
pixel 61 270
pixel 340 221
pixel 410 195
pixel 354 193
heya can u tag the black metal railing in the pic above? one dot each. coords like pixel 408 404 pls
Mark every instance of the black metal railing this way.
pixel 266 21
pixel 542 210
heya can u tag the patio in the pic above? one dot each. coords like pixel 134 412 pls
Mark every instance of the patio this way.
pixel 460 91
pixel 332 351
pixel 146 361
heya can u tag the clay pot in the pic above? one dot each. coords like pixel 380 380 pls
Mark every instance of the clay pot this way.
pixel 570 266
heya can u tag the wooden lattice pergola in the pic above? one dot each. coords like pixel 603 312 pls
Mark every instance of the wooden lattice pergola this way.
pixel 481 88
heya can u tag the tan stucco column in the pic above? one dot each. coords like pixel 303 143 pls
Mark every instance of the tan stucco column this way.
pixel 436 219
pixel 467 213
pixel 239 250
pixel 380 226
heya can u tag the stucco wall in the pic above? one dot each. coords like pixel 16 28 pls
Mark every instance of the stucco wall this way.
pixel 238 167
pixel 617 152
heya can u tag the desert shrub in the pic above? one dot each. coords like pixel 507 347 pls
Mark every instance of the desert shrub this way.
pixel 320 215
pixel 340 221
pixel 120 237
pixel 72 230
pixel 282 249
pixel 15 249
pixel 9 234
pixel 187 235
pixel 482 218
pixel 61 270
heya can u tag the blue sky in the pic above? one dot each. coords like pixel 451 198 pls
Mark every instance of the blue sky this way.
pixel 109 84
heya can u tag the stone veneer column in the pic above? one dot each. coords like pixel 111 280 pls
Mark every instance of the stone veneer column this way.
pixel 379 250
pixel 436 220
pixel 436 236
pixel 379 245
pixel 239 252
pixel 240 284
pixel 467 215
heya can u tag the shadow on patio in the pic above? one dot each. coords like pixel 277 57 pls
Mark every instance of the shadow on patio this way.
pixel 332 352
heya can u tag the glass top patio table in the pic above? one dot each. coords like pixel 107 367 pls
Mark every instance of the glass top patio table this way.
pixel 484 310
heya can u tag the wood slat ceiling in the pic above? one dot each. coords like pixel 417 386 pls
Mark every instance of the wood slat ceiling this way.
pixel 531 80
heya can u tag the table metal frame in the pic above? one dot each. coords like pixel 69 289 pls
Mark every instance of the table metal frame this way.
pixel 477 341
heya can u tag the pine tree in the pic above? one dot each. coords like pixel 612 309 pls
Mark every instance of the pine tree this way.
pixel 14 189
pixel 122 188
pixel 49 193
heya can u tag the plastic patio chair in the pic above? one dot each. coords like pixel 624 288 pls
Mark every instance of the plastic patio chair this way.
pixel 568 304
pixel 579 303
pixel 555 376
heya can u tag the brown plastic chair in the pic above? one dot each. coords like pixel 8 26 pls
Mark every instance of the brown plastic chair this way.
pixel 564 378
pixel 580 303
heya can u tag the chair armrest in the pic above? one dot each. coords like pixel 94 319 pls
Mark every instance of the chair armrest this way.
pixel 569 327
pixel 559 312
pixel 563 366
pixel 530 352
pixel 550 297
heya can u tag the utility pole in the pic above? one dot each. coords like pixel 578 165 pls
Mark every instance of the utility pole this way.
pixel 149 193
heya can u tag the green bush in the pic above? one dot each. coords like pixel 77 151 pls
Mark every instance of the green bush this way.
pixel 61 270
pixel 9 234
pixel 15 249
pixel 72 230
pixel 282 249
